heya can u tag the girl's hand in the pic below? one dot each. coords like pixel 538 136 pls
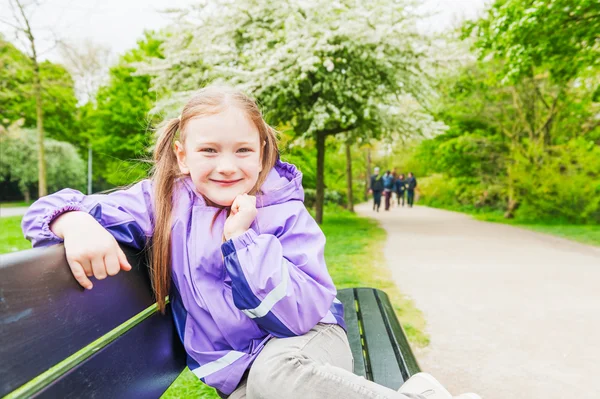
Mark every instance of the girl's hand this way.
pixel 243 213
pixel 90 249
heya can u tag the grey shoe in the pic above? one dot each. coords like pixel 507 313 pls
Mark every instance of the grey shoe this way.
pixel 426 385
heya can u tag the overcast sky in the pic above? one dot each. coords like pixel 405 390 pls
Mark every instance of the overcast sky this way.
pixel 118 24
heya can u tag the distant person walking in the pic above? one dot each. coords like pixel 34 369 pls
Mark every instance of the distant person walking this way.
pixel 410 183
pixel 376 187
pixel 388 186
pixel 400 189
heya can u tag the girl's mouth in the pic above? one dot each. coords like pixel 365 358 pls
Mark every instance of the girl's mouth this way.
pixel 226 183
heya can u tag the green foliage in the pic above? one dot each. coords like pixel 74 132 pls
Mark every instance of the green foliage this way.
pixel 18 162
pixel 303 155
pixel 463 194
pixel 562 184
pixel 560 36
pixel 17 99
pixel 463 154
pixel 120 126
pixel 524 133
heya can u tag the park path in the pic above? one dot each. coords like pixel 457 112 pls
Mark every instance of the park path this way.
pixel 10 211
pixel 512 314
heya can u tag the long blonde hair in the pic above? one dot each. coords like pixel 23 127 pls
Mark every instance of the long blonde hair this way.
pixel 208 101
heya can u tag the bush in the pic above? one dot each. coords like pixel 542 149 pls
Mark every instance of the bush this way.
pixel 560 184
pixel 18 162
pixel 441 191
pixel 331 197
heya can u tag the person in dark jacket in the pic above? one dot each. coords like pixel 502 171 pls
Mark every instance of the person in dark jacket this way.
pixel 376 187
pixel 388 187
pixel 410 183
pixel 400 189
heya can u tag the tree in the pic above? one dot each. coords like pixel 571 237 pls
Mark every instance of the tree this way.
pixel 545 49
pixel 322 68
pixel 18 159
pixel 120 124
pixel 17 100
pixel 23 27
pixel 558 36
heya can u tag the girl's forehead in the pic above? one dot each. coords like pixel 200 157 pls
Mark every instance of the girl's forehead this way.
pixel 231 124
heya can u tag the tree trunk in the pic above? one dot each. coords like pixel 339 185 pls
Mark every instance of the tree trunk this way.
pixel 349 176
pixel 320 177
pixel 42 186
pixel 368 175
pixel 513 203
pixel 37 86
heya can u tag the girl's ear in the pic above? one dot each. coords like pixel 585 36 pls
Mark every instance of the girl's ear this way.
pixel 180 153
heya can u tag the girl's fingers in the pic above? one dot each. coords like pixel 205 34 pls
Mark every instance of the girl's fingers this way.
pixel 123 262
pixel 98 267
pixel 235 207
pixel 80 275
pixel 111 261
pixel 87 267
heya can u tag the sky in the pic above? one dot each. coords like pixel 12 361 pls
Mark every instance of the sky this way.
pixel 118 24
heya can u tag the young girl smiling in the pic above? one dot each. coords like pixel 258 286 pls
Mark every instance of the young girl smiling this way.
pixel 234 248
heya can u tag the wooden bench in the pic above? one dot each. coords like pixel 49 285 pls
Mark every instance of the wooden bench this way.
pixel 58 342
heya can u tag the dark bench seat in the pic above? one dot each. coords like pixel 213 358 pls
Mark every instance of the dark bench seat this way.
pixel 57 342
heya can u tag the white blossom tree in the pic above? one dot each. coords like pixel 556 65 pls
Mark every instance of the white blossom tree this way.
pixel 323 68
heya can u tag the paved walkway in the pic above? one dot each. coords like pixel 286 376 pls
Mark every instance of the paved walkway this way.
pixel 511 314
pixel 6 212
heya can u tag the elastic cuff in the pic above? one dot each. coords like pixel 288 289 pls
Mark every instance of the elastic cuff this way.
pixel 53 214
pixel 241 241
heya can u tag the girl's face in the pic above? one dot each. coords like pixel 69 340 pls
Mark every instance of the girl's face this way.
pixel 222 154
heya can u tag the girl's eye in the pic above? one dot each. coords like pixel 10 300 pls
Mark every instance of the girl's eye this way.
pixel 209 150
pixel 245 150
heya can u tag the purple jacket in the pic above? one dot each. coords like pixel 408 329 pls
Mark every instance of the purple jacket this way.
pixel 228 298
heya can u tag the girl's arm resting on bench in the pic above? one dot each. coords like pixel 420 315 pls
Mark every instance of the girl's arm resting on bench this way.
pixel 90 227
pixel 126 214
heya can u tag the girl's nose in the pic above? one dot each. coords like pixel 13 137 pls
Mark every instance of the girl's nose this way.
pixel 226 165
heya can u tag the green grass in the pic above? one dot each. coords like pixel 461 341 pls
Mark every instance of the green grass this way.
pixel 354 255
pixel 584 233
pixel 11 237
pixel 16 204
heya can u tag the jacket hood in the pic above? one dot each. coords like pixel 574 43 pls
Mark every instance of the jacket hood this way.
pixel 284 183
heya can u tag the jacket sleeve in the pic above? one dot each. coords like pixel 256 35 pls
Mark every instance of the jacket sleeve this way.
pixel 280 280
pixel 126 214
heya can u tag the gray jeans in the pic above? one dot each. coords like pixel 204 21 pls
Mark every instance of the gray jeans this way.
pixel 315 365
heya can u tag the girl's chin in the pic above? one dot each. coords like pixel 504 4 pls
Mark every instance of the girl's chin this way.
pixel 224 202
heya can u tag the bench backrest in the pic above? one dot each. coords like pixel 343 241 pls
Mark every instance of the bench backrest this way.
pixel 114 341
pixel 59 340
pixel 379 346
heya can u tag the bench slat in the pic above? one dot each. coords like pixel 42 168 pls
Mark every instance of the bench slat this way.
pixel 142 363
pixel 346 296
pixel 46 316
pixel 380 351
pixel 404 354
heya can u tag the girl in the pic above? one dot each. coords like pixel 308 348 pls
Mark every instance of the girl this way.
pixel 234 248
